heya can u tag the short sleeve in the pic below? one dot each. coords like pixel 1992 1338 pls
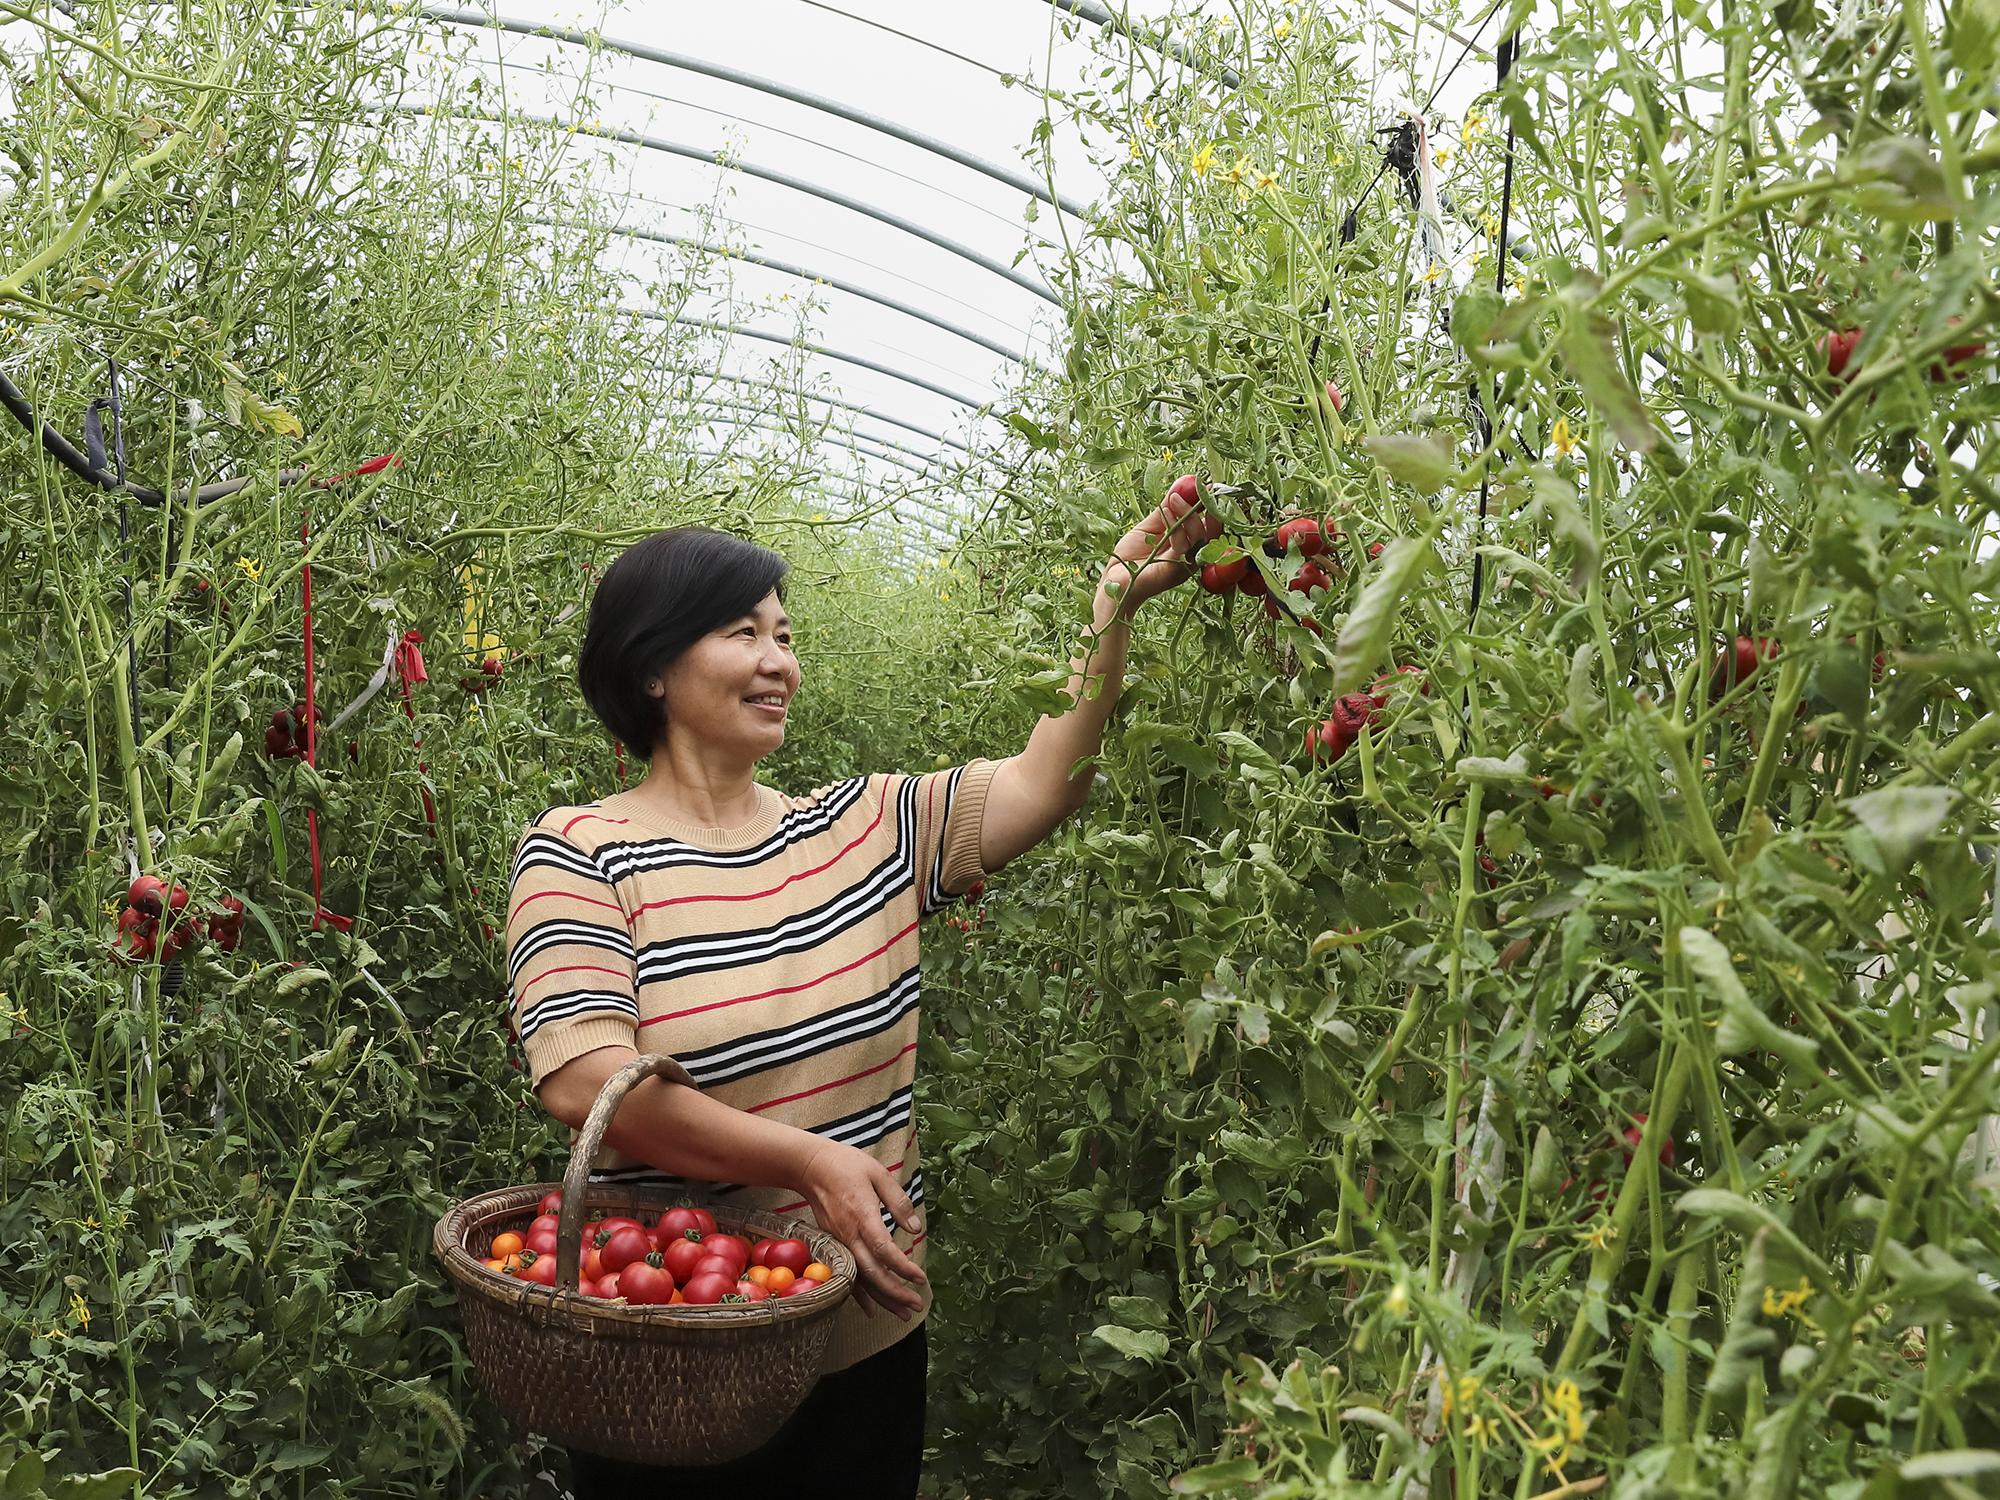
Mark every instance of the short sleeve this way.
pixel 571 971
pixel 938 820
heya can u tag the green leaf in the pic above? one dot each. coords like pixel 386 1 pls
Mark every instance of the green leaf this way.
pixel 1423 463
pixel 1902 818
pixel 1975 36
pixel 1491 770
pixel 1472 314
pixel 1555 497
pixel 1137 1312
pixel 1744 1028
pixel 1209 1479
pixel 1365 637
pixel 1141 1344
pixel 1712 302
pixel 1588 345
pixel 1903 181
pixel 107 1484
pixel 1958 1463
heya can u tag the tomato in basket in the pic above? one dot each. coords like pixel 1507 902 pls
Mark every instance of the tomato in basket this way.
pixel 626 1245
pixel 716 1265
pixel 646 1282
pixel 791 1255
pixel 731 1247
pixel 681 1257
pixel 675 1224
pixel 705 1291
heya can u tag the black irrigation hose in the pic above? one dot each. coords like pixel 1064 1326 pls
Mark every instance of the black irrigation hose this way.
pixel 66 453
pixel 1508 48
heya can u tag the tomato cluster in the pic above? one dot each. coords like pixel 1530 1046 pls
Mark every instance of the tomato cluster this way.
pixel 490 671
pixel 285 735
pixel 1353 712
pixel 151 904
pixel 681 1259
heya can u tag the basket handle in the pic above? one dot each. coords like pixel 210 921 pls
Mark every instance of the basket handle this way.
pixel 576 1179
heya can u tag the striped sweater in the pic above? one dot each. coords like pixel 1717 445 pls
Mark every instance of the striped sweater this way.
pixel 777 962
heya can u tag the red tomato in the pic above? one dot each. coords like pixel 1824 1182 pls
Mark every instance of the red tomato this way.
pixel 758 1251
pixel 1328 740
pixel 681 1257
pixel 798 1288
pixel 1375 550
pixel 551 1202
pixel 1838 349
pixel 1311 576
pixel 627 1245
pixel 730 1247
pixel 1221 577
pixel 676 1222
pixel 612 1225
pixel 540 1269
pixel 545 1221
pixel 749 1291
pixel 1187 487
pixel 1253 583
pixel 147 894
pixel 1636 1133
pixel 645 1283
pixel 1333 397
pixel 705 1291
pixel 703 1220
pixel 592 1264
pixel 1738 661
pixel 585 1287
pixel 541 1241
pixel 1304 532
pixel 716 1265
pixel 790 1255
pixel 608 1285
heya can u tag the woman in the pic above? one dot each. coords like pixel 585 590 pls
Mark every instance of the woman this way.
pixel 769 944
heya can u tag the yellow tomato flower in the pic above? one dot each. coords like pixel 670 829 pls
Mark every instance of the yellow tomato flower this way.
pixel 1283 29
pixel 1203 159
pixel 1266 180
pixel 1482 1430
pixel 1431 273
pixel 250 568
pixel 1561 436
pixel 1441 155
pixel 1475 126
pixel 78 1310
pixel 1600 1236
pixel 1784 1304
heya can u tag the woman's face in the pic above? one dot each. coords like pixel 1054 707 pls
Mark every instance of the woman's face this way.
pixel 732 688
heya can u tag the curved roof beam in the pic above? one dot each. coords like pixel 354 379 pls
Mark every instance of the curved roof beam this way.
pixel 1019 181
pixel 763 174
pixel 731 422
pixel 709 403
pixel 881 299
pixel 959 397
pixel 855 407
pixel 1097 15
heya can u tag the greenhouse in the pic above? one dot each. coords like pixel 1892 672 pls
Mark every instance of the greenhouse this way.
pixel 1043 749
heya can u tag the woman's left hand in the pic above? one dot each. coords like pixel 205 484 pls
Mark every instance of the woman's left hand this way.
pixel 1153 556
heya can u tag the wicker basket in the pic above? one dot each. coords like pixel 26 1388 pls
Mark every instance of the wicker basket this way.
pixel 659 1385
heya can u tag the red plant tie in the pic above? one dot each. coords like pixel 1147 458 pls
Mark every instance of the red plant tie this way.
pixel 409 669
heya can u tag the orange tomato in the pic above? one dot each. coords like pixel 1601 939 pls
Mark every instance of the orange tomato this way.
pixel 512 1262
pixel 507 1244
pixel 818 1271
pixel 779 1279
pixel 758 1275
pixel 677 1297
pixel 592 1267
pixel 495 1263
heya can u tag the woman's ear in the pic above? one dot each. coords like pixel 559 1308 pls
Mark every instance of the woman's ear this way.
pixel 656 688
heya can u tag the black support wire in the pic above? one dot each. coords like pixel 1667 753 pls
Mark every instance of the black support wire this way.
pixel 730 163
pixel 1508 49
pixel 1019 181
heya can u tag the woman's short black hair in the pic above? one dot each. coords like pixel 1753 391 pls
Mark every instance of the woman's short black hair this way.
pixel 658 598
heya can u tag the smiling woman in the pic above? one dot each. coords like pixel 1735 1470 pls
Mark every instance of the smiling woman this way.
pixel 769 944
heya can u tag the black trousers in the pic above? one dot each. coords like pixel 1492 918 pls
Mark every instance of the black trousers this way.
pixel 859 1434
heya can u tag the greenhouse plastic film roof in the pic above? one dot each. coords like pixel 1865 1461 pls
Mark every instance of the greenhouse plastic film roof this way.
pixel 878 192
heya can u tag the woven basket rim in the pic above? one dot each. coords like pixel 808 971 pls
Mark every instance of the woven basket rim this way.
pixel 456 1224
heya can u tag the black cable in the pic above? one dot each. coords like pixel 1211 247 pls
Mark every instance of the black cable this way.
pixel 66 453
pixel 1508 48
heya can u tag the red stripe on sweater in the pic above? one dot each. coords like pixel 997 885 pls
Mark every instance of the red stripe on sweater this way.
pixel 760 895
pixel 572 895
pixel 787 989
pixel 836 1083
pixel 586 817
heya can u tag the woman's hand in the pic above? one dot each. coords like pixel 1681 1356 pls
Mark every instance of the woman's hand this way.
pixel 848 1190
pixel 1153 556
